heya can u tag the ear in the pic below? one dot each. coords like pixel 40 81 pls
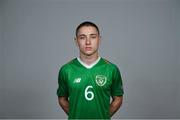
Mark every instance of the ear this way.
pixel 100 39
pixel 75 40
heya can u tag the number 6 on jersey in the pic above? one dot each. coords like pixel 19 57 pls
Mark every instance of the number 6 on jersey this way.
pixel 89 95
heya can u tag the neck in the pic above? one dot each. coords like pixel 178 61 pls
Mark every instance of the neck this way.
pixel 89 59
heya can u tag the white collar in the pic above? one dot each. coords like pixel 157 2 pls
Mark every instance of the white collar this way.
pixel 88 66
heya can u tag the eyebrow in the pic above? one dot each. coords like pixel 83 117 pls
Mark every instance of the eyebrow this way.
pixel 92 34
pixel 81 35
pixel 85 35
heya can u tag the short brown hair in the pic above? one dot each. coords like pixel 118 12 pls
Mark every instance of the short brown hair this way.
pixel 87 23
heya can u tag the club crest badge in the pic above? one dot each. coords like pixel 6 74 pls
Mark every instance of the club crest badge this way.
pixel 101 80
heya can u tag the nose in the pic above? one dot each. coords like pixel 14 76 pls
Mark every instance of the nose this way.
pixel 88 41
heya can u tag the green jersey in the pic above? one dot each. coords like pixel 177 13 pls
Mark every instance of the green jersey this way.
pixel 89 89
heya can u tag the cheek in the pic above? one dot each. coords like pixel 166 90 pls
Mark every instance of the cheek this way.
pixel 96 43
pixel 80 44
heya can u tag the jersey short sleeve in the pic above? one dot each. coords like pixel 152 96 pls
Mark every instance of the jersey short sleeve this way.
pixel 62 83
pixel 117 86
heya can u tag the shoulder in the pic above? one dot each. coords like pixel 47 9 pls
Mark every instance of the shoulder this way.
pixel 67 65
pixel 110 64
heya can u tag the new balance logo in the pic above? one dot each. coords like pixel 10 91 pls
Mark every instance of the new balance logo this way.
pixel 77 80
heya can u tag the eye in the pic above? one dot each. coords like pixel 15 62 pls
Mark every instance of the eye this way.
pixel 82 37
pixel 93 37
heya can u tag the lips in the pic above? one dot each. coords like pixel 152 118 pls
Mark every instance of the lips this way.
pixel 88 48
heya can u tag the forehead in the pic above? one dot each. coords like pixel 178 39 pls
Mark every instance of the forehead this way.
pixel 87 30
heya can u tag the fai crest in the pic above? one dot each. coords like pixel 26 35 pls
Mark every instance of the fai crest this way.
pixel 101 80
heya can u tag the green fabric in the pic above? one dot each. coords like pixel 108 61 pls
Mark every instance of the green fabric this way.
pixel 89 90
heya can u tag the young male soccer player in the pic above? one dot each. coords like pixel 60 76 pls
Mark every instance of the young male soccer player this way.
pixel 87 82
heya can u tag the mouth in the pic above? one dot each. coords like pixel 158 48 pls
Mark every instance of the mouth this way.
pixel 88 48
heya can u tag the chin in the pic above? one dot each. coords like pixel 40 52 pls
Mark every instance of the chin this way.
pixel 87 54
pixel 90 53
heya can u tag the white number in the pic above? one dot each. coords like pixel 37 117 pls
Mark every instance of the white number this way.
pixel 89 95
